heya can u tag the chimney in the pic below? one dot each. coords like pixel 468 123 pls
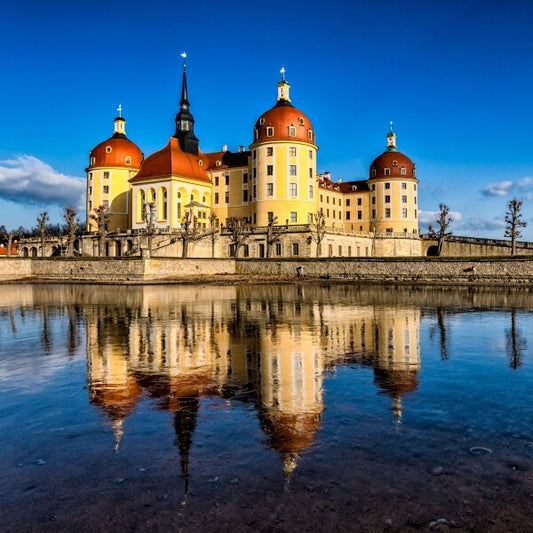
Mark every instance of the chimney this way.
pixel 224 147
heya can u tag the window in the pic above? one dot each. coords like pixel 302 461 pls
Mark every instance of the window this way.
pixel 327 213
pixel 333 200
pixel 404 198
pixel 292 131
pixel 327 199
pixel 310 154
pixel 226 197
pixel 255 173
pixel 127 160
pixel 294 217
pixel 270 189
pixel 373 200
pixel 262 121
pixel 347 202
pixel 404 212
pixel 295 248
pixel 216 181
pixel 340 250
pixel 414 175
pixel 105 203
pixel 415 213
pixel 90 175
pixel 270 216
pixel 106 175
pixel 415 186
pixel 310 191
pixel 321 198
pixel 373 213
pixel 404 186
pixel 359 215
pixel 90 206
pixel 340 215
pixel 387 185
pixel 387 198
pixel 254 155
pixel 216 198
pixel 347 215
pixel 270 131
pixel 387 212
pixel 373 172
pixel 106 189
pixel 334 213
pixel 359 201
pixel 90 190
pixel 108 149
pixel 310 135
pixel 402 171
pixel 395 163
pixel 245 196
pixel 270 151
pixel 292 151
pixel 373 186
pixel 292 170
pixel 278 249
pixel 386 171
pixel 311 173
pixel 92 160
pixel 270 170
pixel 293 189
pixel 301 121
pixel 255 193
pixel 226 179
pixel 415 200
pixel 245 178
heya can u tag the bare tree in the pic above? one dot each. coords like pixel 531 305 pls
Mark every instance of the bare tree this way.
pixel 274 234
pixel 42 220
pixel 514 222
pixel 72 227
pixel 9 236
pixel 213 232
pixel 190 231
pixel 101 217
pixel 444 219
pixel 239 233
pixel 149 218
pixel 318 231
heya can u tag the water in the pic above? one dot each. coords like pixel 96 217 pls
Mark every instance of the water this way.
pixel 272 408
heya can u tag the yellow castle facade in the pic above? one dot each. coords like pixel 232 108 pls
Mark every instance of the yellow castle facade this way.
pixel 275 183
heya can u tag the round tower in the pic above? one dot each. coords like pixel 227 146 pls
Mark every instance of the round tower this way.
pixel 393 191
pixel 111 164
pixel 283 158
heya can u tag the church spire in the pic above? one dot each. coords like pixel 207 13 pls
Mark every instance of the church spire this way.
pixel 184 119
pixel 283 90
pixel 391 140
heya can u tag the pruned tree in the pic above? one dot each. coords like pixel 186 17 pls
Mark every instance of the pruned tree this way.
pixel 514 222
pixel 274 233
pixel 149 218
pixel 213 232
pixel 443 220
pixel 190 231
pixel 8 236
pixel 101 218
pixel 239 231
pixel 72 226
pixel 318 230
pixel 42 220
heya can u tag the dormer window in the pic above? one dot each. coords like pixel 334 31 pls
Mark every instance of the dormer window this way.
pixel 310 135
pixel 386 171
pixel 270 131
pixel 108 149
pixel 200 163
pixel 256 133
pixel 292 131
pixel 93 160
pixel 301 121
pixel 414 173
pixel 262 121
pixel 373 172
pixel 217 163
pixel 127 160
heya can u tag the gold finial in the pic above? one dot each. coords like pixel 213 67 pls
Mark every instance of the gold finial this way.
pixel 119 109
pixel 282 73
pixel 184 55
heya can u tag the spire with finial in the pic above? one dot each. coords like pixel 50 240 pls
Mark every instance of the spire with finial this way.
pixel 283 89
pixel 120 124
pixel 391 140
pixel 184 119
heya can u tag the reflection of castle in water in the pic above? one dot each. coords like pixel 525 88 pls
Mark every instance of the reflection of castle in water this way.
pixel 267 348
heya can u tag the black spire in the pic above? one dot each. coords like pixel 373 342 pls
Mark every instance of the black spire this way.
pixel 185 121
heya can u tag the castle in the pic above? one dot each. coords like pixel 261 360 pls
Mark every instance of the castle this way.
pixel 273 184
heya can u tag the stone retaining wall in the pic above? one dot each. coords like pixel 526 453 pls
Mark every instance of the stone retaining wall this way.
pixel 481 271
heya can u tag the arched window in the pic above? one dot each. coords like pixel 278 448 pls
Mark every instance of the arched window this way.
pixel 270 131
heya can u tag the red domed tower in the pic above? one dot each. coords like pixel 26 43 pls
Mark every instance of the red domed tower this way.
pixel 111 164
pixel 283 163
pixel 393 191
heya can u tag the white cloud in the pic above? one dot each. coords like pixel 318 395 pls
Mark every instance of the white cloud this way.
pixel 480 223
pixel 28 180
pixel 503 188
pixel 430 217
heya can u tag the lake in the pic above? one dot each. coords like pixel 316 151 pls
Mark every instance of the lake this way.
pixel 291 407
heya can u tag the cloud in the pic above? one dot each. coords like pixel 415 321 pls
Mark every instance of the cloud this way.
pixel 28 180
pixel 503 188
pixel 480 223
pixel 430 217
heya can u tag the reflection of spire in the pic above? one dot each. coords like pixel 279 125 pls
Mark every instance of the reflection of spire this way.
pixel 397 406
pixel 184 425
pixel 290 462
pixel 515 343
pixel 118 432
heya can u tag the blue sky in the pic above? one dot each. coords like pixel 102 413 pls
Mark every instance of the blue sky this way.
pixel 455 77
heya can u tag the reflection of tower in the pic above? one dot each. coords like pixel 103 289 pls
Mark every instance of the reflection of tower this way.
pixel 397 353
